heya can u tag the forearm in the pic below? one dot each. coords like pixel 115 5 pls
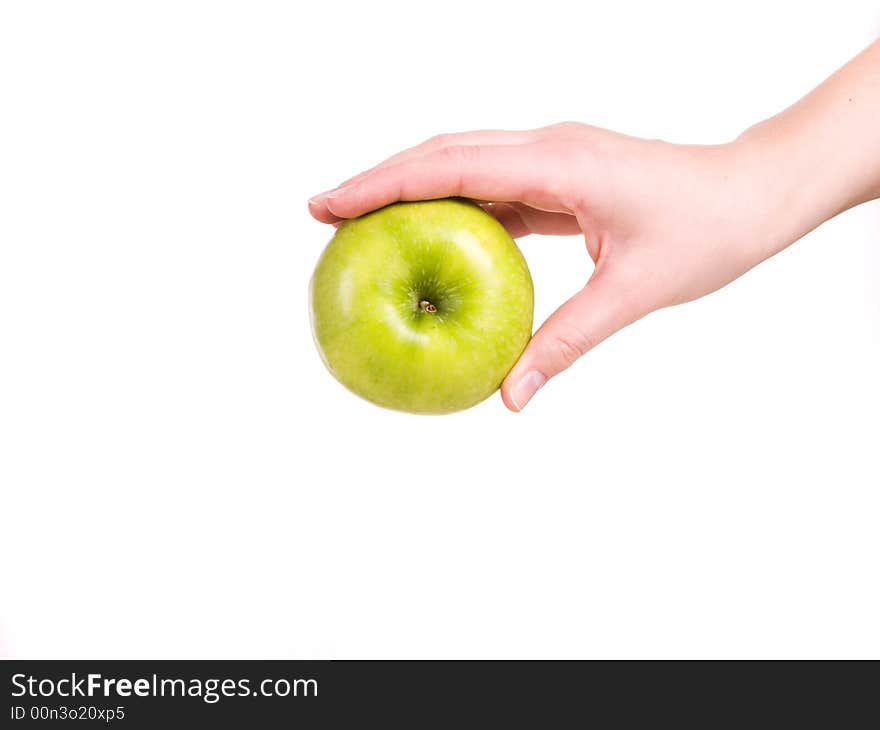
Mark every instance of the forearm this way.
pixel 821 156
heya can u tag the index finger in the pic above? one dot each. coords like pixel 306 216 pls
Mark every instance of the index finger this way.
pixel 502 173
pixel 440 141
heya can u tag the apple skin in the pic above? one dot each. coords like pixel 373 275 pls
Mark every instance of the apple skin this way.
pixel 422 307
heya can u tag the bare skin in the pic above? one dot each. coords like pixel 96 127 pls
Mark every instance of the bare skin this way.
pixel 664 223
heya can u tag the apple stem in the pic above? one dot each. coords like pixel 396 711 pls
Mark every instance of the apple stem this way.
pixel 426 306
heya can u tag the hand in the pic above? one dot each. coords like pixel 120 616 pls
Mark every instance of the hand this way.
pixel 663 223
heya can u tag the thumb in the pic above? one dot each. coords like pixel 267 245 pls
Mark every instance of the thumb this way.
pixel 597 311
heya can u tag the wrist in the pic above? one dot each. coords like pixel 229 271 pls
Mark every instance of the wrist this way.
pixel 792 189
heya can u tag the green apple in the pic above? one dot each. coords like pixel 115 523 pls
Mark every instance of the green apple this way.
pixel 422 307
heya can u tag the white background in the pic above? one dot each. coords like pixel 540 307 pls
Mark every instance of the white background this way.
pixel 179 475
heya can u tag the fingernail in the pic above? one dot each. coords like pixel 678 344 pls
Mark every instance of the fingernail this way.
pixel 321 197
pixel 337 192
pixel 528 385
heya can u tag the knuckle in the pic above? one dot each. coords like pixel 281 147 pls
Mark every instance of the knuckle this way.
pixel 461 154
pixel 566 127
pixel 458 161
pixel 571 344
pixel 439 141
pixel 569 351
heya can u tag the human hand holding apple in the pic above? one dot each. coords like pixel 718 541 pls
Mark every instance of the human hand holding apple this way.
pixel 663 223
